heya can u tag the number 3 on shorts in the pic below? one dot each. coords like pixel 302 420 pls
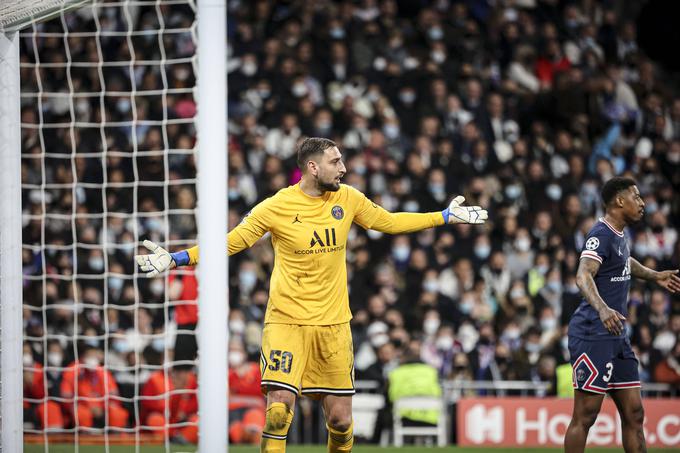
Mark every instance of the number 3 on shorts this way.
pixel 610 368
pixel 282 360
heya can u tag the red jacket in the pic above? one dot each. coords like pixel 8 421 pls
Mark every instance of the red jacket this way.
pixel 182 404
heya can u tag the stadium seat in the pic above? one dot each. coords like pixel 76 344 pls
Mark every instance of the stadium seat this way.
pixel 420 403
pixel 365 409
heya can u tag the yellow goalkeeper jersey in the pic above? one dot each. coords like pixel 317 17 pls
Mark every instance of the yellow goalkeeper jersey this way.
pixel 309 234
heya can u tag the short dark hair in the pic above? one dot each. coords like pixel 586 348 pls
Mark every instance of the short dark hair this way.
pixel 613 187
pixel 311 146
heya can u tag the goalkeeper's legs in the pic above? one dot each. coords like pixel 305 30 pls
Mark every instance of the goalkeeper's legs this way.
pixel 338 410
pixel 277 420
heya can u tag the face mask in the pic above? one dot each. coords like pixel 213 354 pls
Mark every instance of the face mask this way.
pixel 407 97
pixel 379 340
pixel 401 253
pixel 437 189
pixel 96 264
pixel 431 325
pixel 264 94
pixel 548 324
pixel 513 191
pixel 411 206
pixel 182 73
pixel 324 126
pixel 517 293
pixel 572 288
pixel 466 306
pixel 236 358
pixel 154 225
pixel 128 249
pixel 360 169
pixel 533 348
pixel 249 69
pixel 247 280
pixel 651 208
pixel 373 96
pixel 123 105
pixel 435 33
pixel 512 334
pixel 674 158
pixel 482 251
pixel 158 344
pixel 431 286
pixel 554 192
pixel 523 244
pixel 92 342
pixel 115 283
pixel 542 269
pixel 55 358
pixel 438 57
pixel 157 287
pixel 28 359
pixel 337 33
pixel 237 326
pixel 120 346
pixel 391 131
pixel 299 90
pixel 233 195
pixel 444 343
pixel 554 286
pixel 92 361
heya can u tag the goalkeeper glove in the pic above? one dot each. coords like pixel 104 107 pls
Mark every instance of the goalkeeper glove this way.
pixel 456 213
pixel 161 260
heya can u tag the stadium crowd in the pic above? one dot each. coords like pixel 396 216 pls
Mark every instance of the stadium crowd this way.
pixel 525 107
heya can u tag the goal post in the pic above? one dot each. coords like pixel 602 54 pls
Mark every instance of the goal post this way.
pixel 212 224
pixel 83 110
pixel 11 421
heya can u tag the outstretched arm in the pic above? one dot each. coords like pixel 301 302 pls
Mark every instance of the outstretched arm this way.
pixel 408 222
pixel 585 279
pixel 665 279
pixel 244 235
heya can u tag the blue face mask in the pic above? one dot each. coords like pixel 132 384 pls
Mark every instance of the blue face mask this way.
pixel 401 253
pixel 482 251
pixel 247 279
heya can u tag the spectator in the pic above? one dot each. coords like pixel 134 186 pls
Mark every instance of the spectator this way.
pixel 172 392
pixel 89 390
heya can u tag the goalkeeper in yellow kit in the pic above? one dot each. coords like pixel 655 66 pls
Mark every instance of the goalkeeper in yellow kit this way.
pixel 306 342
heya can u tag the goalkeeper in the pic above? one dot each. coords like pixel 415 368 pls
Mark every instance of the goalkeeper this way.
pixel 306 341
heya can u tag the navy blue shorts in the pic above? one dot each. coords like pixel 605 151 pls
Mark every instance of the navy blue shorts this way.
pixel 603 365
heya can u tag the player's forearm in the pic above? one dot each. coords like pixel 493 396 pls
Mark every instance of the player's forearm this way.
pixel 189 257
pixel 586 284
pixel 640 271
pixel 407 222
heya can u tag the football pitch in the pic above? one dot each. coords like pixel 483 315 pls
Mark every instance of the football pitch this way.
pixel 63 448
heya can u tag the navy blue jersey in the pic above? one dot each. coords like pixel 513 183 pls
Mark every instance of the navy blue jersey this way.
pixel 610 248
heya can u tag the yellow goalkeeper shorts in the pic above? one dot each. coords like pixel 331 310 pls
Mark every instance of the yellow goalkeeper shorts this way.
pixel 309 360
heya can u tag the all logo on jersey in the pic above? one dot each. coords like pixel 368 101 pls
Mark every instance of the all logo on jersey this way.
pixel 592 243
pixel 337 212
pixel 319 240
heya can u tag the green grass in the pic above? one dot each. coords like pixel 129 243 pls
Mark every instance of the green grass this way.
pixel 62 448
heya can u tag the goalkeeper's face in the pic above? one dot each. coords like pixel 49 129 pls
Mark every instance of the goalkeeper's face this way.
pixel 330 170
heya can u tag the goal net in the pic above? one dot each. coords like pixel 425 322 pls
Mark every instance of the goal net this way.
pixel 107 160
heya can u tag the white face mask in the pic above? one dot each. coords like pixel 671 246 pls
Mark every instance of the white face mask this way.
pixel 236 358
pixel 91 361
pixel 431 325
pixel 237 326
pixel 55 358
pixel 28 359
pixel 444 343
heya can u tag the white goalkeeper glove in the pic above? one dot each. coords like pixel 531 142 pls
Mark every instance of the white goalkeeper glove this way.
pixel 156 263
pixel 456 213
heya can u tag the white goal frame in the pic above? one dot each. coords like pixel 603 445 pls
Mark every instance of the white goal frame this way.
pixel 212 218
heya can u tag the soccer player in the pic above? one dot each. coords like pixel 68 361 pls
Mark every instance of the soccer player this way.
pixel 601 356
pixel 306 341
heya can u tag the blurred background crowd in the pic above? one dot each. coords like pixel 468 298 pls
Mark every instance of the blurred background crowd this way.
pixel 524 107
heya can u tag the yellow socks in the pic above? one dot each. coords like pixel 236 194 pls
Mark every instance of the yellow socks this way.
pixel 340 441
pixel 277 422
